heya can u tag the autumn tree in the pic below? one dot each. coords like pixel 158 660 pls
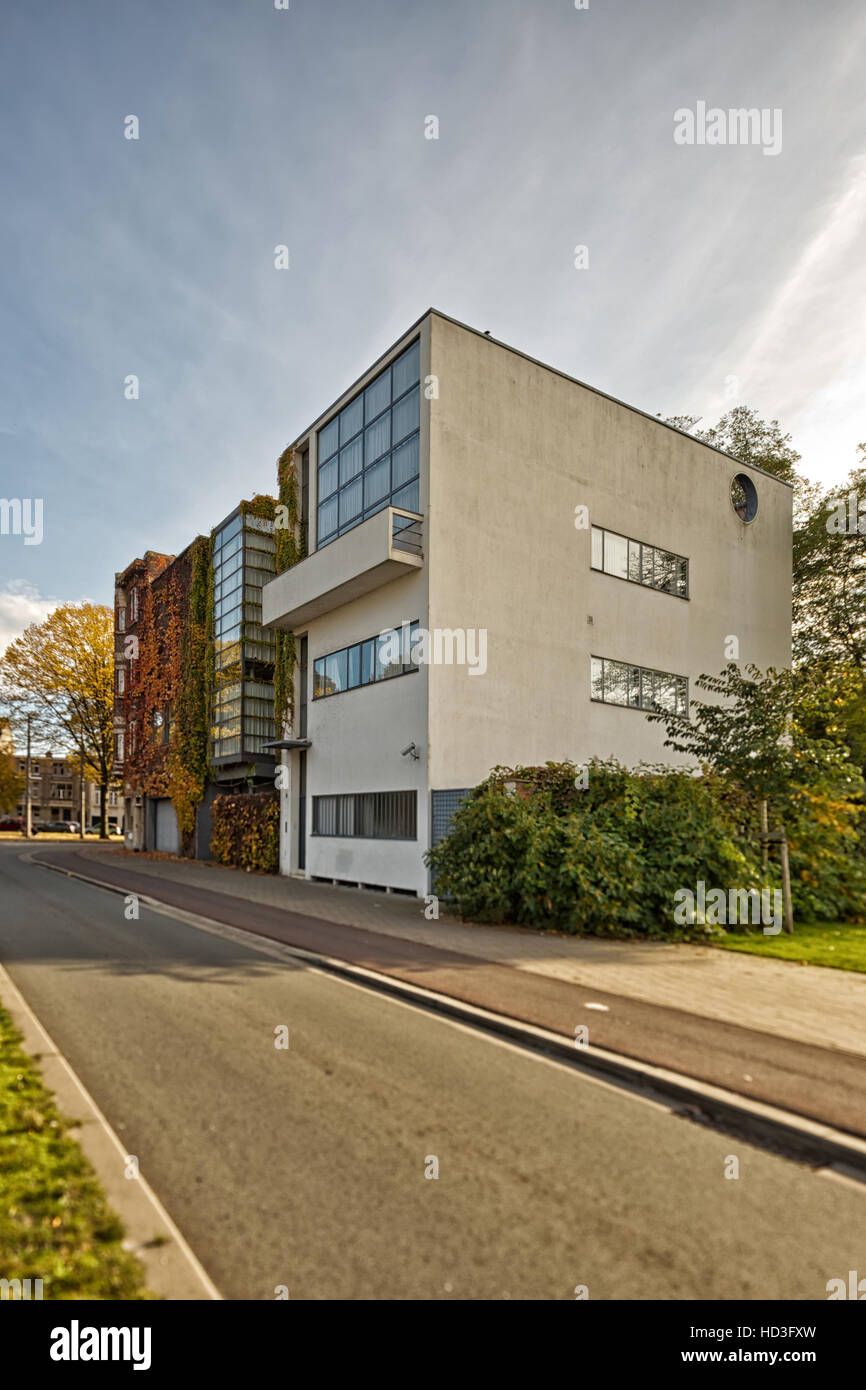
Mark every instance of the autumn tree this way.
pixel 61 672
pixel 11 781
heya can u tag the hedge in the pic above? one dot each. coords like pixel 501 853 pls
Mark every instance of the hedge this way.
pixel 533 847
pixel 246 830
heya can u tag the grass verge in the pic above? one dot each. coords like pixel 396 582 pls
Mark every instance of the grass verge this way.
pixel 55 1223
pixel 837 944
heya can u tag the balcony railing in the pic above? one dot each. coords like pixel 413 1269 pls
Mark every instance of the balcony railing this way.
pixel 406 534
pixel 390 545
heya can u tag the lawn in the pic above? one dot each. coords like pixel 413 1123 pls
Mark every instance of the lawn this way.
pixel 55 1223
pixel 837 944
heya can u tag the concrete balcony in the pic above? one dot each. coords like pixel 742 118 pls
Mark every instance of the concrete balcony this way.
pixel 387 546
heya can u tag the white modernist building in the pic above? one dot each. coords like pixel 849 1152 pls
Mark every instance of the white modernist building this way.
pixel 505 566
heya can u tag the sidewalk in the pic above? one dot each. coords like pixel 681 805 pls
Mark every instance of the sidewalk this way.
pixel 807 1003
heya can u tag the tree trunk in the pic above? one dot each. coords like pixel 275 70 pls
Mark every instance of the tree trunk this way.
pixel 786 883
pixel 103 808
pixel 82 794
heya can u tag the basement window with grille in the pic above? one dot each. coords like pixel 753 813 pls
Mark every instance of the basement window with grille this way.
pixel 367 815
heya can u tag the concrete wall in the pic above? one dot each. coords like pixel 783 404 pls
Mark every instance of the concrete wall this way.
pixel 514 448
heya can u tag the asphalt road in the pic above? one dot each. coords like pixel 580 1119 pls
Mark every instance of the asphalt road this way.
pixel 306 1167
pixel 821 1083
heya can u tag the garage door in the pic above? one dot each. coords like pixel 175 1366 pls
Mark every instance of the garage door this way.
pixel 167 835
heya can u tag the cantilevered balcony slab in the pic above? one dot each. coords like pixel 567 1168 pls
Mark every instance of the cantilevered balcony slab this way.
pixel 386 547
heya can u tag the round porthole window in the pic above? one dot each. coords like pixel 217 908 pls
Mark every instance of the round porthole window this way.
pixel 744 497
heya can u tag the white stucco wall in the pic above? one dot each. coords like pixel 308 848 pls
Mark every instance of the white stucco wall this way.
pixel 514 449
pixel 357 737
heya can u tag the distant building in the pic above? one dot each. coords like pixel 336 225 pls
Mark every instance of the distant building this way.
pixel 55 792
pixel 154 617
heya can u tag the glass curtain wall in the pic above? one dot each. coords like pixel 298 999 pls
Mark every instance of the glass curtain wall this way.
pixel 244 560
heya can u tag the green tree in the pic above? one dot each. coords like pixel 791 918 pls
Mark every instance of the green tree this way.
pixel 743 433
pixel 830 576
pixel 772 735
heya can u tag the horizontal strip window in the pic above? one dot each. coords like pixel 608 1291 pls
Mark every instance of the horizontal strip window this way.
pixel 377 659
pixel 638 687
pixel 640 563
pixel 367 815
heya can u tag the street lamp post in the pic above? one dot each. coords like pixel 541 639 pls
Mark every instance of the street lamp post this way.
pixel 28 832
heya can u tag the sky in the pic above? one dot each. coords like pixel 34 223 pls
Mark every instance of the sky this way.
pixel 717 275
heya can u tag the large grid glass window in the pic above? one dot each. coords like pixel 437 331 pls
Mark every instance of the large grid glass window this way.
pixel 369 454
pixel 367 815
pixel 376 659
pixel 638 687
pixel 640 563
pixel 244 652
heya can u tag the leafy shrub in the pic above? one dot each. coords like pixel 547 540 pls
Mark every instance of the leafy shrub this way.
pixel 530 846
pixel 246 830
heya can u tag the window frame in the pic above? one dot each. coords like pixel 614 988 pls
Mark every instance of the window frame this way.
pixel 630 667
pixel 368 423
pixel 646 562
pixel 367 647
pixel 359 808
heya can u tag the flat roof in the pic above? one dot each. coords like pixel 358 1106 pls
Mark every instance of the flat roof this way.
pixel 467 328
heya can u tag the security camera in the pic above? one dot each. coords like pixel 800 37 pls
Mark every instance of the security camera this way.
pixel 411 750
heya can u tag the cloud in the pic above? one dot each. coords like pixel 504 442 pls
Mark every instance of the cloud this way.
pixel 803 357
pixel 20 605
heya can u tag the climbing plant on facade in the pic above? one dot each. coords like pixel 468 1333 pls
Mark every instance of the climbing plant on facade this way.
pixel 291 548
pixel 170 686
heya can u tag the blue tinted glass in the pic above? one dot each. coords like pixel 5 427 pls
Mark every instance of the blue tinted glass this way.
pixel 351 419
pixel 377 439
pixel 328 479
pixel 319 687
pixel 327 518
pixel 336 671
pixel 407 498
pixel 406 416
pixel 377 396
pixel 351 502
pixel 367 650
pixel 230 566
pixel 406 370
pixel 377 482
pixel 405 463
pixel 329 439
pixel 354 667
pixel 351 461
